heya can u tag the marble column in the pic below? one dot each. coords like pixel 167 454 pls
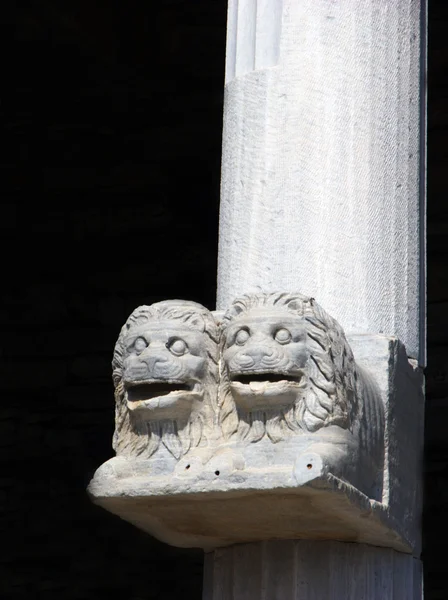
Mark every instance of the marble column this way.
pixel 323 159
pixel 323 180
pixel 310 571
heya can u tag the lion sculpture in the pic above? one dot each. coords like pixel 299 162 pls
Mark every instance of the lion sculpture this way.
pixel 287 369
pixel 165 372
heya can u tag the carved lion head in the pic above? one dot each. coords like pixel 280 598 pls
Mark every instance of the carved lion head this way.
pixel 165 372
pixel 286 366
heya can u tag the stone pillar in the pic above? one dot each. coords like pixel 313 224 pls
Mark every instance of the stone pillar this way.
pixel 323 152
pixel 310 571
pixel 323 192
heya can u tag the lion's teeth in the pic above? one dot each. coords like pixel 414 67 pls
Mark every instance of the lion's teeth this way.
pixel 258 386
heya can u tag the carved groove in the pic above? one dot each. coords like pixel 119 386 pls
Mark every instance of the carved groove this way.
pixel 253 36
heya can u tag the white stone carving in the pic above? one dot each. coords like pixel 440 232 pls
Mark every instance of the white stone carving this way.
pixel 300 432
pixel 165 371
pixel 289 378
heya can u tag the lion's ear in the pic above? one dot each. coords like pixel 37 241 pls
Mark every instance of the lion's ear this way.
pixel 237 309
pixel 211 329
pixel 117 376
pixel 295 305
pixel 197 322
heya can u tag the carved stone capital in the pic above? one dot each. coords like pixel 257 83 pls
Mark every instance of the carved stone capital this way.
pixel 262 422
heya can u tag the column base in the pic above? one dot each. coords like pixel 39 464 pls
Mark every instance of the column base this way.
pixel 310 570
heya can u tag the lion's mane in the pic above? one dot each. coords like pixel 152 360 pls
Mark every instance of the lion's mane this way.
pixel 139 438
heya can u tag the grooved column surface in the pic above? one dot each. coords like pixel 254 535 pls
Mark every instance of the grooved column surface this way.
pixel 322 169
pixel 286 570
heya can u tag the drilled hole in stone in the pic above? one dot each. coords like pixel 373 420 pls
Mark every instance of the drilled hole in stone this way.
pixel 309 466
pixel 216 472
pixel 187 467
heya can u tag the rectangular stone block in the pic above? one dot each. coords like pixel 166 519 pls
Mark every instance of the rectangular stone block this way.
pixel 297 488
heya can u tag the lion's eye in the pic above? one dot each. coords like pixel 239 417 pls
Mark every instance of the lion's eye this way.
pixel 177 347
pixel 282 336
pixel 140 344
pixel 242 336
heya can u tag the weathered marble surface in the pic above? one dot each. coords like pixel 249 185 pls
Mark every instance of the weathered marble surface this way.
pixel 310 570
pixel 322 185
pixel 165 371
pixel 300 433
pixel 289 383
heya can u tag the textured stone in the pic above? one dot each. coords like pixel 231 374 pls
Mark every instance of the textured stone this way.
pixel 289 383
pixel 311 571
pixel 322 185
pixel 165 371
pixel 303 438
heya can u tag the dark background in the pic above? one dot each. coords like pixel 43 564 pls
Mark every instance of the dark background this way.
pixel 110 162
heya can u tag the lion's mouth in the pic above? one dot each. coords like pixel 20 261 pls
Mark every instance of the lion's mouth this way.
pixel 258 382
pixel 265 391
pixel 138 392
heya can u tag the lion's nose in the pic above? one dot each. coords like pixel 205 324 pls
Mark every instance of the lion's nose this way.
pixel 253 357
pixel 245 361
pixel 164 367
pixel 158 363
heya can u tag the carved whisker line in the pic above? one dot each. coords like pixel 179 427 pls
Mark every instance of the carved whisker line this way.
pixel 177 441
pixel 228 417
pixel 318 340
pixel 214 359
pixel 154 435
pixel 315 406
pixel 323 368
pixel 275 427
pixel 280 297
pixel 317 323
pixel 318 379
pixel 170 438
pixel 276 424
